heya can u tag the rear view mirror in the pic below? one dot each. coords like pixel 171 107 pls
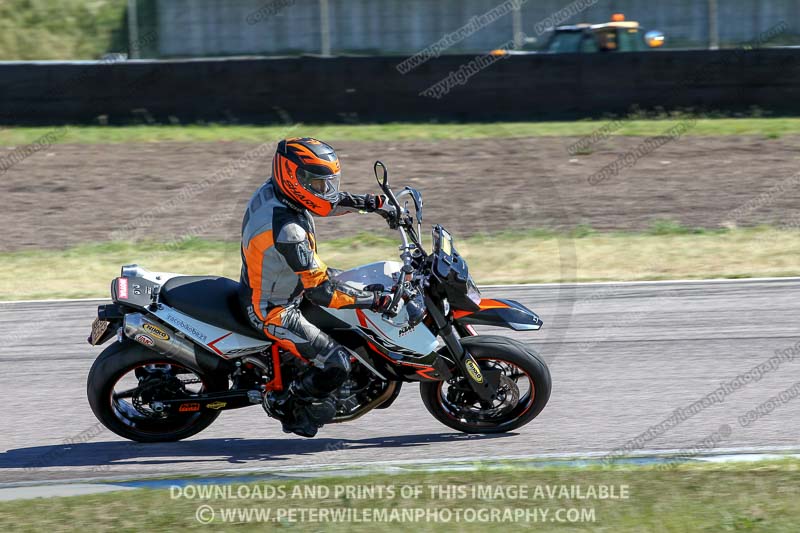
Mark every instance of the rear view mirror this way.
pixel 381 174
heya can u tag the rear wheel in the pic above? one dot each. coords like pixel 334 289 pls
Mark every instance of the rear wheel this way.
pixel 523 391
pixel 127 385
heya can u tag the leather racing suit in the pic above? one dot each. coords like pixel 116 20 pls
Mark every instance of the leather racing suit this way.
pixel 280 266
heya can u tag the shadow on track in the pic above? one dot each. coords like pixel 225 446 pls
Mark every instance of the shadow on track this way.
pixel 102 455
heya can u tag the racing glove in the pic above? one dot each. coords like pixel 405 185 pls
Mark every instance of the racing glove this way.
pixel 383 208
pixel 370 203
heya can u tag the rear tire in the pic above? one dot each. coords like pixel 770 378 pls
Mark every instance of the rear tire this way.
pixel 118 360
pixel 495 348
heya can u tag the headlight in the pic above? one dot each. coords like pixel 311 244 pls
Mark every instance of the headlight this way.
pixel 472 291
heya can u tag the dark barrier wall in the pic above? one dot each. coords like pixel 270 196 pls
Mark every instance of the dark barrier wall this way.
pixel 349 89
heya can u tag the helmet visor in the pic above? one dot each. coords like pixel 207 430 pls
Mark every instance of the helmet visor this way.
pixel 324 186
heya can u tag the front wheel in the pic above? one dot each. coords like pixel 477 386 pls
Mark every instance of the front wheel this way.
pixel 128 384
pixel 522 393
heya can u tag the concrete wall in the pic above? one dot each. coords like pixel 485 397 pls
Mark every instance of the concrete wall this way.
pixel 370 89
pixel 273 27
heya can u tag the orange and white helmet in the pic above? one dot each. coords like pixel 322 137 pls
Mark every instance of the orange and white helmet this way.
pixel 307 173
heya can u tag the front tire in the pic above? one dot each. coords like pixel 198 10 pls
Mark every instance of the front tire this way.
pixel 492 351
pixel 120 360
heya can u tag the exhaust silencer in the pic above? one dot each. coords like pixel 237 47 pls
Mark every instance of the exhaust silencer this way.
pixel 161 340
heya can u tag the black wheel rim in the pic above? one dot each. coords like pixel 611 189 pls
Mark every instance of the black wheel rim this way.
pixel 461 404
pixel 137 392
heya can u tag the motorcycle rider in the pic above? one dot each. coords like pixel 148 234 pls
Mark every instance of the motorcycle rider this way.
pixel 280 266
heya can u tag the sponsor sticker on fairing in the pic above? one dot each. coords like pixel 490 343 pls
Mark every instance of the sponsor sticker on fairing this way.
pixel 155 331
pixel 122 288
pixel 473 369
pixel 144 339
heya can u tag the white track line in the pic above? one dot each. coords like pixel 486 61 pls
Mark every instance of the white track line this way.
pixel 323 469
pixel 643 282
pixel 507 286
pixel 665 453
pixel 62 488
pixel 54 301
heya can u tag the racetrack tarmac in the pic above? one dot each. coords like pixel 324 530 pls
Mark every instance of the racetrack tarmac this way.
pixel 623 358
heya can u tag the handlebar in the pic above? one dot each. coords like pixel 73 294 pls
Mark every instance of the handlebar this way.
pixel 405 274
pixel 404 223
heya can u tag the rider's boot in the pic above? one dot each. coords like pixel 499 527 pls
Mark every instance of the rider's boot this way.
pixel 300 412
pixel 308 403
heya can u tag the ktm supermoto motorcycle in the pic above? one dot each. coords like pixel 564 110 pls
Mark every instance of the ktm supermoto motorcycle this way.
pixel 185 351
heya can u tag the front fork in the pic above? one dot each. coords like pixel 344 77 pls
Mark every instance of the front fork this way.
pixel 484 385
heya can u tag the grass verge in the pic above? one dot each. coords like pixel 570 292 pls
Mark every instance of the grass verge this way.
pixel 666 252
pixel 771 128
pixel 736 497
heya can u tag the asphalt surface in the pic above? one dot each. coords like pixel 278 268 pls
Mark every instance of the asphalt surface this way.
pixel 623 358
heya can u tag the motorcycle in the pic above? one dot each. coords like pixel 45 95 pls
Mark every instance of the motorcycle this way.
pixel 185 351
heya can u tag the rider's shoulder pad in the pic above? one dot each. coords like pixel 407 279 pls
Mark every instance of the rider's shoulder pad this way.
pixel 292 233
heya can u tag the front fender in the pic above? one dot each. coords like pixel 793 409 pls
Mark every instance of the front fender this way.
pixel 502 313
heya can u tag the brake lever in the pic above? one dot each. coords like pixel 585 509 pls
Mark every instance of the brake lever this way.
pixel 394 306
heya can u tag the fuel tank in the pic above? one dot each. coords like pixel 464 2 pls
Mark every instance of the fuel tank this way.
pixel 395 334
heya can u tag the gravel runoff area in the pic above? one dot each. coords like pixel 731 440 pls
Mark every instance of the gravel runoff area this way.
pixel 74 193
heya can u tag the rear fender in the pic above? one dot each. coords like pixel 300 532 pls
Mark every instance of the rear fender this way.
pixel 502 313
